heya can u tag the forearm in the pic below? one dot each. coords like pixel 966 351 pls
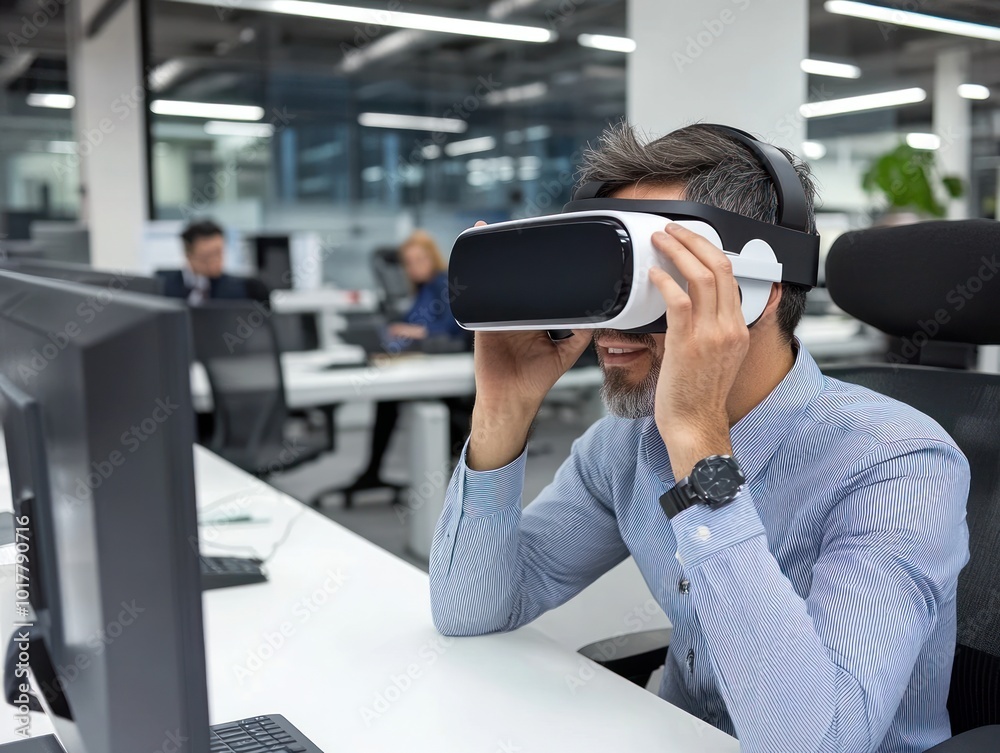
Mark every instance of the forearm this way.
pixel 785 686
pixel 499 432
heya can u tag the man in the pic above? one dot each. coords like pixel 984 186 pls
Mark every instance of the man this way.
pixel 202 278
pixel 816 610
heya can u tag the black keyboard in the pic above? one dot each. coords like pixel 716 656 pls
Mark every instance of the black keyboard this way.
pixel 222 572
pixel 260 734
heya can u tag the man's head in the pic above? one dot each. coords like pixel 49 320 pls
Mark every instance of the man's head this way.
pixel 204 247
pixel 695 163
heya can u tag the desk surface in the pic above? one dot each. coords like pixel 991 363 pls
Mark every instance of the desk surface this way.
pixel 340 641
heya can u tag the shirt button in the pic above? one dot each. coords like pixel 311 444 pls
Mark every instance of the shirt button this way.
pixel 684 586
pixel 702 533
pixel 690 661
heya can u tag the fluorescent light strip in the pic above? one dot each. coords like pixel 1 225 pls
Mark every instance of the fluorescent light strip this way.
pixel 813 149
pixel 229 128
pixel 55 101
pixel 876 101
pixel 606 42
pixel 928 141
pixel 396 19
pixel 973 91
pixel 514 94
pixel 412 122
pixel 827 68
pixel 911 19
pixel 470 146
pixel 206 110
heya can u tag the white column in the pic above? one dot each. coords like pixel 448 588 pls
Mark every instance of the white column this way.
pixel 952 116
pixel 109 118
pixel 734 62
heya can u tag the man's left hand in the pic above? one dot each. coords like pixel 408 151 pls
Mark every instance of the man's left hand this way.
pixel 409 331
pixel 703 349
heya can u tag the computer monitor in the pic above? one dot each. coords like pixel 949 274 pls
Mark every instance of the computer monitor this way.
pixel 99 427
pixel 82 273
pixel 274 261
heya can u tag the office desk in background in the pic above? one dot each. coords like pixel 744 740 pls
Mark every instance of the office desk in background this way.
pixel 327 304
pixel 420 381
pixel 340 641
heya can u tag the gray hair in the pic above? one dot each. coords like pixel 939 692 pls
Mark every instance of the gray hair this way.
pixel 713 169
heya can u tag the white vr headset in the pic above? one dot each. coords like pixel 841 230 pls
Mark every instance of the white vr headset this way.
pixel 588 267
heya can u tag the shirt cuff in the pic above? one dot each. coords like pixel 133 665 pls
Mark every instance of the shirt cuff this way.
pixel 489 492
pixel 701 531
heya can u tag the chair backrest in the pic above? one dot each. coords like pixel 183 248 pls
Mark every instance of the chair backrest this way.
pixel 394 287
pixel 236 344
pixel 933 284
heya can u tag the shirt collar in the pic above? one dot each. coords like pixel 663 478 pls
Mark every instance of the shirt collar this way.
pixel 756 436
pixel 192 280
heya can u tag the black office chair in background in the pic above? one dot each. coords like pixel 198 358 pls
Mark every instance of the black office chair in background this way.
pixel 239 351
pixel 935 286
pixel 394 289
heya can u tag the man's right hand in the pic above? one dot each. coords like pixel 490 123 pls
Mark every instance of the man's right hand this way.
pixel 514 373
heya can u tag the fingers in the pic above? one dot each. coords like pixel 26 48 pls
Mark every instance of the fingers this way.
pixel 479 223
pixel 701 282
pixel 679 304
pixel 714 261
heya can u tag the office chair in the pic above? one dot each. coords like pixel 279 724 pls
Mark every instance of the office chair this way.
pixel 238 348
pixel 918 283
pixel 394 288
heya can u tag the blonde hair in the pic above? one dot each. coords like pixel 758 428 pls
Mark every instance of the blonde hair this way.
pixel 425 241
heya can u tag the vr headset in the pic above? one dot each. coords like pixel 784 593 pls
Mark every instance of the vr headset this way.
pixel 588 267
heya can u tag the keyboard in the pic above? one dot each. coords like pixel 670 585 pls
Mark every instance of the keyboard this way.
pixel 260 734
pixel 222 572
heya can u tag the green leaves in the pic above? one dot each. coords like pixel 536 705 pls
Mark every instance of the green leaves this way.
pixel 907 178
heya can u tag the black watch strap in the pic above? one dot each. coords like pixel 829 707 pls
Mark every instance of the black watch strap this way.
pixel 676 499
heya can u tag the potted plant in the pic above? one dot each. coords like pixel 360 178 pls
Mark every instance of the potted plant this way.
pixel 909 181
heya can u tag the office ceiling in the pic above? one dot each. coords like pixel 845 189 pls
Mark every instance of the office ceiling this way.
pixel 223 53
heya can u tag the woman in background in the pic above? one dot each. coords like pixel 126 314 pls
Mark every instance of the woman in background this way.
pixel 428 322
pixel 430 314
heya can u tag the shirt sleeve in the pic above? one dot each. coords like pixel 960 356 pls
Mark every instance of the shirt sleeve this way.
pixel 494 568
pixel 827 673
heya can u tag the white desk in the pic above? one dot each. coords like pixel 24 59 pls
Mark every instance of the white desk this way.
pixel 410 378
pixel 358 629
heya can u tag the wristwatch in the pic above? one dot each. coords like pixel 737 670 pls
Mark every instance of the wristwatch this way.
pixel 714 481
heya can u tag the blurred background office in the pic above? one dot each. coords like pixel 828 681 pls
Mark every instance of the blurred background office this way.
pixel 321 138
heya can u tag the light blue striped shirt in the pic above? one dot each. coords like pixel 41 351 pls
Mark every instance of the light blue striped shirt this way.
pixel 816 612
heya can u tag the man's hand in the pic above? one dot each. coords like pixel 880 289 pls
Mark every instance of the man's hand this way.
pixel 703 349
pixel 514 373
pixel 409 331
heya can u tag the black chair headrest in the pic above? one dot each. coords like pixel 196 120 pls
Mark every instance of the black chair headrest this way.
pixel 941 278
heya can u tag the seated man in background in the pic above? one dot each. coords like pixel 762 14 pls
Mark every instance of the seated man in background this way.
pixel 813 598
pixel 202 279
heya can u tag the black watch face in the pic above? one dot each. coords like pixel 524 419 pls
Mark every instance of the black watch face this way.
pixel 717 480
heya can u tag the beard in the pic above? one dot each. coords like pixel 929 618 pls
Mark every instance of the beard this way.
pixel 623 397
